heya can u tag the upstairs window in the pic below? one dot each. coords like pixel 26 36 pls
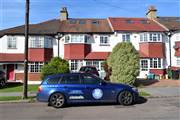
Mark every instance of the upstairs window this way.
pixel 104 40
pixel 154 37
pixel 40 42
pixel 150 37
pixel 36 42
pixel 126 37
pixel 11 42
pixel 77 38
pixel 143 37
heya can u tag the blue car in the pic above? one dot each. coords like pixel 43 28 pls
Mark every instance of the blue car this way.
pixel 59 90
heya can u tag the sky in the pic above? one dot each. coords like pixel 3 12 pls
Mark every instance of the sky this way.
pixel 12 12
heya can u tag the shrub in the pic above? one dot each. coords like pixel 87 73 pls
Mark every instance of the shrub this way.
pixel 107 69
pixel 55 66
pixel 124 62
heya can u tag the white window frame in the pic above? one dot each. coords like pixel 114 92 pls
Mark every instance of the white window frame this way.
pixel 36 42
pixel 126 37
pixel 156 63
pixel 143 66
pixel 95 63
pixel 12 42
pixel 151 37
pixel 178 61
pixel 104 40
pixel 35 67
pixel 75 65
pixel 77 38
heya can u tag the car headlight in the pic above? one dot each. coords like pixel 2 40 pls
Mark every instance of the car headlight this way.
pixel 134 89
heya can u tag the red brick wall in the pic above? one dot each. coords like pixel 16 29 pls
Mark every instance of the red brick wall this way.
pixel 76 51
pixel 152 50
pixel 40 54
pixel 31 76
pixel 158 71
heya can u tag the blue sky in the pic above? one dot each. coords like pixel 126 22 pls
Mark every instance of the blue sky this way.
pixel 12 11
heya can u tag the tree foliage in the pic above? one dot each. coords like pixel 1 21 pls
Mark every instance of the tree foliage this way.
pixel 55 66
pixel 124 62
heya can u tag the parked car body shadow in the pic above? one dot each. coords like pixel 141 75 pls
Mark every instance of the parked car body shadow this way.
pixel 141 100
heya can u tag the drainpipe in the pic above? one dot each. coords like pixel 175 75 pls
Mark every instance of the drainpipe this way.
pixel 169 34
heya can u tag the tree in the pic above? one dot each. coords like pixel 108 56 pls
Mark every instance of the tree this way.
pixel 124 62
pixel 55 66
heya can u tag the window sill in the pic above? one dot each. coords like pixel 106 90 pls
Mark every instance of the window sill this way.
pixel 12 48
pixel 104 44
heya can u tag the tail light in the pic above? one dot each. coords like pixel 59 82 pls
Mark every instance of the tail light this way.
pixel 39 88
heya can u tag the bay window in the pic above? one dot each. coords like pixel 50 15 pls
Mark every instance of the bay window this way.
pixel 35 66
pixel 77 38
pixel 178 61
pixel 150 37
pixel 75 65
pixel 155 63
pixel 40 42
pixel 144 64
pixel 96 63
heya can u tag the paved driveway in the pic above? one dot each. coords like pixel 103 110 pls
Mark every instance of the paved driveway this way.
pixel 153 109
pixel 163 91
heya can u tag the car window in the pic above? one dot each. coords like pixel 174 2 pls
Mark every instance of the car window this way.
pixel 70 79
pixel 88 79
pixel 53 80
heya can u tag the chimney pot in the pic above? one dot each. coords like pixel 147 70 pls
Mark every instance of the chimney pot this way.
pixel 151 13
pixel 63 14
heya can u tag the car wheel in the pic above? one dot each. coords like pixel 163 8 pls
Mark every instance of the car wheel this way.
pixel 57 100
pixel 125 98
pixel 2 83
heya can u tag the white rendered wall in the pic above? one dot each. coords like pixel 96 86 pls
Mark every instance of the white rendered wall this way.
pixel 175 37
pixel 19 45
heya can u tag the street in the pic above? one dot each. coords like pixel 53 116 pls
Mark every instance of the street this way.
pixel 152 109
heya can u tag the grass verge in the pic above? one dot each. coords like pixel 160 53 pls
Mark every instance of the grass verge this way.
pixel 13 98
pixel 144 94
pixel 18 88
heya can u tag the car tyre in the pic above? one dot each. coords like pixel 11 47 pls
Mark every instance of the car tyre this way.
pixel 125 98
pixel 2 83
pixel 57 100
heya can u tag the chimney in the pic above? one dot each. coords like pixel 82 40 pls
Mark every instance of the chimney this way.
pixel 63 14
pixel 151 13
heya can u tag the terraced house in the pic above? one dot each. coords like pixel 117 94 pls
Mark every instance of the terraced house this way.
pixel 88 42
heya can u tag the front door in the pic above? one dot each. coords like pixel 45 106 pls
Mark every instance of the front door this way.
pixel 10 72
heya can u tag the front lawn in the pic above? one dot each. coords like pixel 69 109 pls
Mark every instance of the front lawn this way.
pixel 17 87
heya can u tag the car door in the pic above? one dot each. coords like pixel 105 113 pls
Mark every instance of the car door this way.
pixel 73 87
pixel 96 90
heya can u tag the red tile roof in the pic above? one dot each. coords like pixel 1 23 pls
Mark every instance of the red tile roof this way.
pixel 135 24
pixel 84 25
pixel 5 57
pixel 97 56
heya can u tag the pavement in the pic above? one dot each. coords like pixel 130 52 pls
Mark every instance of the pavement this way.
pixel 149 109
pixel 5 94
pixel 162 91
